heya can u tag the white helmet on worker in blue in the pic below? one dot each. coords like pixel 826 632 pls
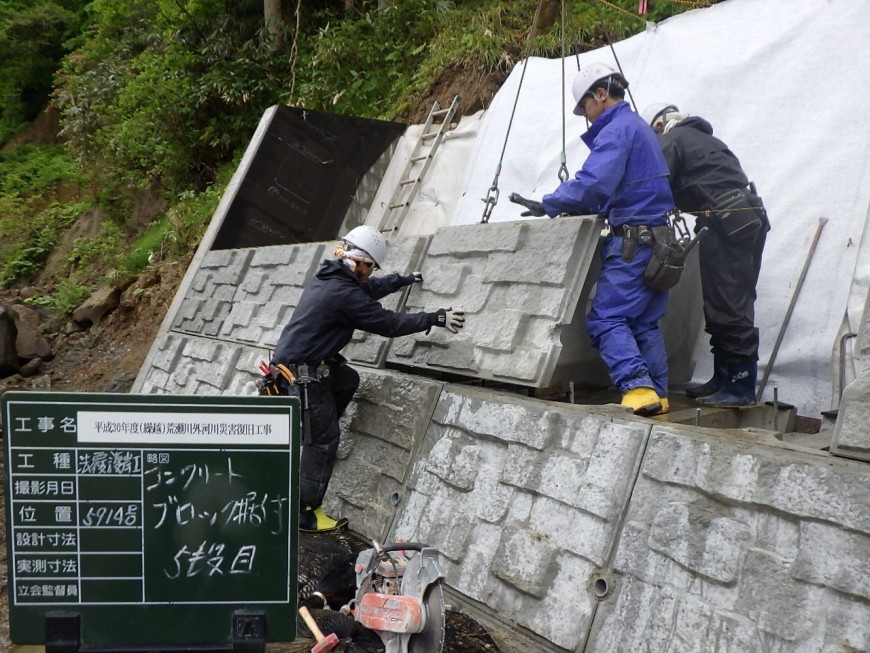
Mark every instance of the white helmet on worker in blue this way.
pixel 597 75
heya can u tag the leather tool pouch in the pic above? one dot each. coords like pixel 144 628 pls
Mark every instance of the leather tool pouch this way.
pixel 667 262
pixel 735 214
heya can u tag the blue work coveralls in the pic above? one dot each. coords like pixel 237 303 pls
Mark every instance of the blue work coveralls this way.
pixel 625 179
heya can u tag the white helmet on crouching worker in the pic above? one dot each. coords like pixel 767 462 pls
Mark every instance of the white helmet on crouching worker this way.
pixel 657 115
pixel 593 76
pixel 366 241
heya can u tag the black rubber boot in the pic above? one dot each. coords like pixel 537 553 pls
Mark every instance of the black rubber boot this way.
pixel 739 388
pixel 716 382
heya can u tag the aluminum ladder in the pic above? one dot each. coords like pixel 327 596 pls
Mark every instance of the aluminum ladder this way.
pixel 437 124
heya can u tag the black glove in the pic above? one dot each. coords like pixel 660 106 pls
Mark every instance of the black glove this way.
pixel 450 319
pixel 534 206
pixel 414 277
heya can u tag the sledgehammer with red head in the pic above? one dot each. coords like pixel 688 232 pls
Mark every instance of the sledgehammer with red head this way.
pixel 324 644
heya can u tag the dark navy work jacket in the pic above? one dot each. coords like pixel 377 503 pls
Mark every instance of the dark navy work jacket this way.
pixel 335 303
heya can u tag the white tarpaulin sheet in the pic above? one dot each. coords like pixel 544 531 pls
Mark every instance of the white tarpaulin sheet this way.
pixel 785 83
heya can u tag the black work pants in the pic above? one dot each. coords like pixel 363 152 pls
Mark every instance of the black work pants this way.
pixel 729 274
pixel 327 401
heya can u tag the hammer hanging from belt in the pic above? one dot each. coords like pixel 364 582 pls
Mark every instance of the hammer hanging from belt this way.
pixel 305 375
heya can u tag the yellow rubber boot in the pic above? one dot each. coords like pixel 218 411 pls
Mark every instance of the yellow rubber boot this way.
pixel 317 521
pixel 643 401
pixel 666 406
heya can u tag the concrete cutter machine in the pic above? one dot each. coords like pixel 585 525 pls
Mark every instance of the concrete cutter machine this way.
pixel 399 596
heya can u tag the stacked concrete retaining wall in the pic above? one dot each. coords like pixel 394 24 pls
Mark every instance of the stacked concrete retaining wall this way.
pixel 562 527
pixel 583 528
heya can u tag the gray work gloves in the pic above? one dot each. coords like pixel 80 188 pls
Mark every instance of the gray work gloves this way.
pixel 534 206
pixel 450 319
pixel 414 277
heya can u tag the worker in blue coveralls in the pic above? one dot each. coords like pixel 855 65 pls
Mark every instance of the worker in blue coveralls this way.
pixel 342 296
pixel 625 179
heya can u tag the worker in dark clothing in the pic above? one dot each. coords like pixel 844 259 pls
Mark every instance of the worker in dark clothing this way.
pixel 708 181
pixel 342 296
pixel 625 179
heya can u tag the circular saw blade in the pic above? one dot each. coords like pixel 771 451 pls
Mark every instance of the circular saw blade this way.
pixel 431 640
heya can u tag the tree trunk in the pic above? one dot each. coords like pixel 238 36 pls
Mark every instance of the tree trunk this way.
pixel 547 16
pixel 274 22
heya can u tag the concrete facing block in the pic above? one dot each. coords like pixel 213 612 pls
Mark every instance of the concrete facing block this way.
pixel 488 415
pixel 851 437
pixel 707 536
pixel 514 312
pixel 746 473
pixel 648 618
pixel 381 436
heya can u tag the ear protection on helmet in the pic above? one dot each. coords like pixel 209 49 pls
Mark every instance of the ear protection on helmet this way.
pixel 340 252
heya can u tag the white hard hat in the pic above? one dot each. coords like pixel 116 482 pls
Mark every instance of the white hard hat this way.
pixel 657 111
pixel 370 240
pixel 591 73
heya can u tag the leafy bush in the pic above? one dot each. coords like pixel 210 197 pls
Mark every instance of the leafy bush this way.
pixel 67 298
pixel 32 170
pixel 42 234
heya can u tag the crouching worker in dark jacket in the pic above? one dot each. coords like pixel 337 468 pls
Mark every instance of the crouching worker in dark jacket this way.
pixel 708 181
pixel 341 297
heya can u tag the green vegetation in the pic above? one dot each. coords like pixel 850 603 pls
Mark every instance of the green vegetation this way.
pixel 160 99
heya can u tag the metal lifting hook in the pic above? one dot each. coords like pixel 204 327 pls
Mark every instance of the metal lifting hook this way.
pixel 491 198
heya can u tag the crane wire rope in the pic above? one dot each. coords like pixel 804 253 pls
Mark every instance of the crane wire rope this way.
pixel 492 195
pixel 563 173
pixel 612 49
pixel 491 198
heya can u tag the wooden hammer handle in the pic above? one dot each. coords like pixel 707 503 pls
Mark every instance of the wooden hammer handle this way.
pixel 312 625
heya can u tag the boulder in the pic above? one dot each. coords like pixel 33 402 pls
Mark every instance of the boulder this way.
pixel 98 305
pixel 29 343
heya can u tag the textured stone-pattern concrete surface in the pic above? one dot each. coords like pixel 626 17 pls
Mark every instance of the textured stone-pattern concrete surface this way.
pixel 729 546
pixel 523 498
pixel 519 284
pixel 851 433
pixel 189 365
pixel 382 432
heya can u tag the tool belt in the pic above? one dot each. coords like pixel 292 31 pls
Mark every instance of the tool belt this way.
pixel 668 257
pixel 737 214
pixel 270 384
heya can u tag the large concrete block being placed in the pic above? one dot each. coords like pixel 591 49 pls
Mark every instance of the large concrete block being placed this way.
pixel 525 287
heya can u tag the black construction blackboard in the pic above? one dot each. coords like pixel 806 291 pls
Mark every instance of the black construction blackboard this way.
pixel 152 518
